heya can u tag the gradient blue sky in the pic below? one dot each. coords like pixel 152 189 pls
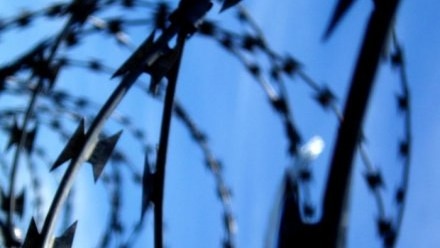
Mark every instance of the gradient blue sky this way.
pixel 247 135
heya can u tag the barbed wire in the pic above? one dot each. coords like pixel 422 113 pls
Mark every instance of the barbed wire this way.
pixel 238 44
pixel 243 46
pixel 60 98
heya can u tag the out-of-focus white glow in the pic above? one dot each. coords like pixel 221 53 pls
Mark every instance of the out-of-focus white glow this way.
pixel 313 148
pixel 18 233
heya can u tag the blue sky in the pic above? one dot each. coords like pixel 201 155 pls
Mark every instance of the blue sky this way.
pixel 247 135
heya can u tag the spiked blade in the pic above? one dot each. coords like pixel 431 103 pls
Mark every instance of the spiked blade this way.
pixel 66 239
pixel 136 58
pixel 72 147
pixel 99 156
pixel 102 153
pixel 161 67
pixel 19 203
pixel 147 187
pixel 341 9
pixel 33 237
pixel 34 52
pixel 17 133
pixel 228 4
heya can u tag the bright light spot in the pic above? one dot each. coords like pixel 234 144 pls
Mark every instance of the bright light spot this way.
pixel 313 148
pixel 18 233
